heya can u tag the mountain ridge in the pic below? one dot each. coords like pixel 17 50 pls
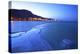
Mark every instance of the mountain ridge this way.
pixel 16 14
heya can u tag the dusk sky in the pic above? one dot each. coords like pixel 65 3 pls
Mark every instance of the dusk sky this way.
pixel 56 11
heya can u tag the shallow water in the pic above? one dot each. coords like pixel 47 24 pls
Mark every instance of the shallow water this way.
pixel 42 36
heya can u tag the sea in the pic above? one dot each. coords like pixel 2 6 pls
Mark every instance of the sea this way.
pixel 30 36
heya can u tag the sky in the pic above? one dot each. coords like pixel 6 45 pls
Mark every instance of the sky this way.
pixel 49 10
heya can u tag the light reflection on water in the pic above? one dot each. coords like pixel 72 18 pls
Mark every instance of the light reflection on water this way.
pixel 54 35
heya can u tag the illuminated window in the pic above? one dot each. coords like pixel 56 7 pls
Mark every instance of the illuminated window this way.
pixel 40 19
pixel 34 18
pixel 12 18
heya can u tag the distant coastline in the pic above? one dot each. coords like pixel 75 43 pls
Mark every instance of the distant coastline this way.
pixel 25 15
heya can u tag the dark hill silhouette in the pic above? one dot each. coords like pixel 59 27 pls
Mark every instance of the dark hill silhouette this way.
pixel 22 13
pixel 27 15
